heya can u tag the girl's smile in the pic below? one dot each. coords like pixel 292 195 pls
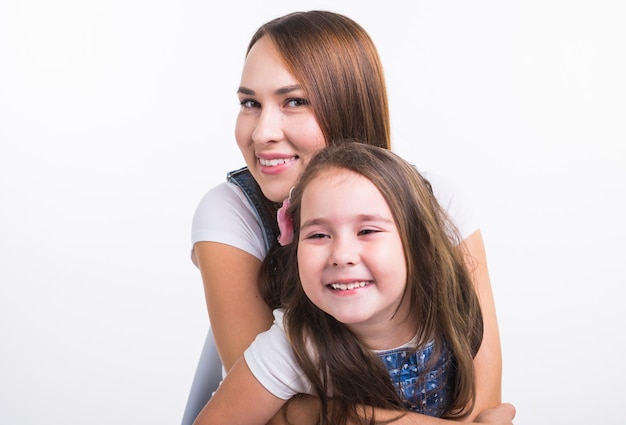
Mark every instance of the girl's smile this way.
pixel 346 287
pixel 351 258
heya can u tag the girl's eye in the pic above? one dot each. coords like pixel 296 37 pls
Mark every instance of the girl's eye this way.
pixel 249 103
pixel 367 232
pixel 317 236
pixel 297 102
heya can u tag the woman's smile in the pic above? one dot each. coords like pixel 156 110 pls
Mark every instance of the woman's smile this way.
pixel 276 130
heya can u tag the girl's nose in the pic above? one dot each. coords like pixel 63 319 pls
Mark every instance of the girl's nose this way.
pixel 344 253
pixel 268 128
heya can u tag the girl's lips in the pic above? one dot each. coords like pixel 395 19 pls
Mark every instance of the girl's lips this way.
pixel 348 286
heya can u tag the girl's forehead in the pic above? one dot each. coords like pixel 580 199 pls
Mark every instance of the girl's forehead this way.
pixel 336 184
pixel 334 175
pixel 343 197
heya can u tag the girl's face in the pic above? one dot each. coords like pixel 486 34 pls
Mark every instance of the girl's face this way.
pixel 350 256
pixel 276 129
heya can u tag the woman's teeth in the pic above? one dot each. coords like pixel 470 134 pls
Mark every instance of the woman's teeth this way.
pixel 275 162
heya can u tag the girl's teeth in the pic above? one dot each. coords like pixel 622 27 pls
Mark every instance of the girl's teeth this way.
pixel 347 286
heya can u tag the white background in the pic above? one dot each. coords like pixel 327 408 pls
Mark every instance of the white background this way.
pixel 117 116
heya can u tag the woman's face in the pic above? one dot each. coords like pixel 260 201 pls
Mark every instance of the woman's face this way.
pixel 276 129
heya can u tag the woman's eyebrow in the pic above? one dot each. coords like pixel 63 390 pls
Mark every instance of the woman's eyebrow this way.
pixel 245 90
pixel 280 91
pixel 288 89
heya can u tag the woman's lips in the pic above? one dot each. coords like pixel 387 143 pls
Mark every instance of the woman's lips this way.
pixel 276 165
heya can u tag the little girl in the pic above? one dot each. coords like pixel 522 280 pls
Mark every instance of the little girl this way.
pixel 378 308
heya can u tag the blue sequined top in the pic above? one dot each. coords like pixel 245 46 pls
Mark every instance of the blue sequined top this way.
pixel 423 394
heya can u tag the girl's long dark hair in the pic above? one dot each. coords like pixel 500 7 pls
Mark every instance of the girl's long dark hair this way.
pixel 444 305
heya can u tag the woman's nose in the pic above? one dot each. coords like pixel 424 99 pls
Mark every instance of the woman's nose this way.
pixel 268 127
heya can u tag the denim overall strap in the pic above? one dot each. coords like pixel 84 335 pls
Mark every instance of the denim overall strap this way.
pixel 243 178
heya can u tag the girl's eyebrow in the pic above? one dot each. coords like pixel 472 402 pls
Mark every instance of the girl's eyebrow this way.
pixel 359 218
pixel 280 91
pixel 312 222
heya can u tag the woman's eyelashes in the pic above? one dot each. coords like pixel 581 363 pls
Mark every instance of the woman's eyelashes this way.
pixel 296 102
pixel 289 103
pixel 249 103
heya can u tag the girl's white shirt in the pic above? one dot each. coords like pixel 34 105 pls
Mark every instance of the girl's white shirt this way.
pixel 272 362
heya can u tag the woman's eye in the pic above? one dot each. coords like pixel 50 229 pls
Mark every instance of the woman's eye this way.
pixel 297 102
pixel 249 103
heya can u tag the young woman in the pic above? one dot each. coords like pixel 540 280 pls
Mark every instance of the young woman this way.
pixel 379 308
pixel 309 78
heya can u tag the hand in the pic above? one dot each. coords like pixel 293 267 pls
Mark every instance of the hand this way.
pixel 502 414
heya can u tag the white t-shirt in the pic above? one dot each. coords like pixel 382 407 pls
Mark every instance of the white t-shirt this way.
pixel 224 215
pixel 272 362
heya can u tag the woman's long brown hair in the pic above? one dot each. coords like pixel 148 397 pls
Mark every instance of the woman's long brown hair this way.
pixel 443 303
pixel 340 70
pixel 338 66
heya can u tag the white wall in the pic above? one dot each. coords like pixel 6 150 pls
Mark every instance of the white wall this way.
pixel 116 117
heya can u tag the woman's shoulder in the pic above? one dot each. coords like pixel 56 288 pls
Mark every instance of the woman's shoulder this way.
pixel 224 215
pixel 224 197
pixel 454 200
pixel 442 185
